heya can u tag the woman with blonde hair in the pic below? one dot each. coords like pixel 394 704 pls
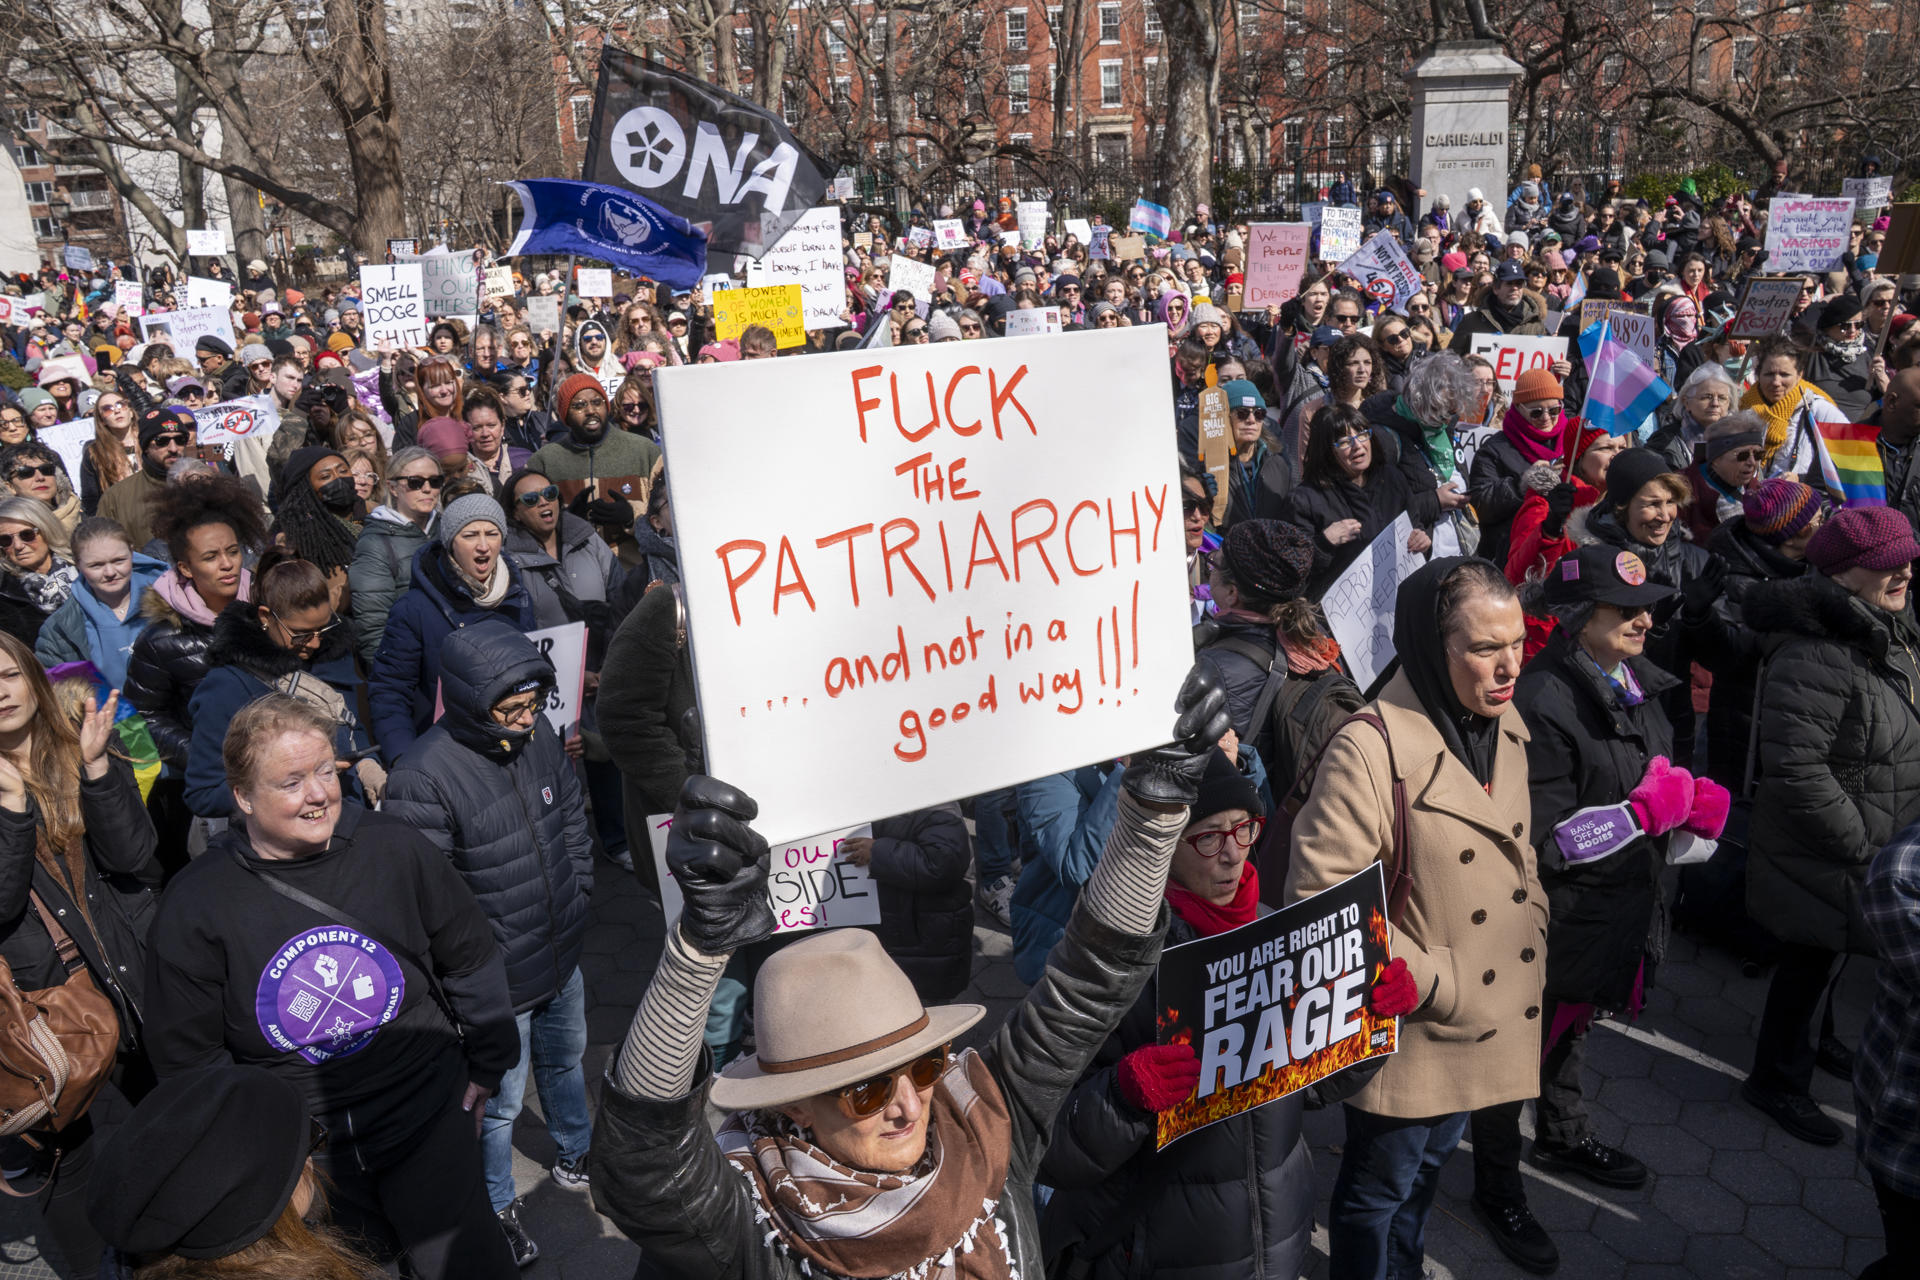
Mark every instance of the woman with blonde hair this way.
pixel 113 454
pixel 35 580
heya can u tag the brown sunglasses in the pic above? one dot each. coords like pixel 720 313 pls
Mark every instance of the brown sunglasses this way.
pixel 870 1097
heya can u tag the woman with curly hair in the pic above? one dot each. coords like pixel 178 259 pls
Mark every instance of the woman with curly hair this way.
pixel 1354 372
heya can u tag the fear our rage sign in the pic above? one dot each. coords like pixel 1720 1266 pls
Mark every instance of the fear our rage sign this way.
pixel 906 599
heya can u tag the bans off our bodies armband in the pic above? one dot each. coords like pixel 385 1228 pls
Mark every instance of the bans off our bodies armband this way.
pixel 1606 829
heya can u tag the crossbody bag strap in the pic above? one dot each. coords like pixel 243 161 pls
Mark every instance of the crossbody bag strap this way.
pixel 63 943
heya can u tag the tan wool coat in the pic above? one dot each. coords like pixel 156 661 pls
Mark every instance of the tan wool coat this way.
pixel 1474 932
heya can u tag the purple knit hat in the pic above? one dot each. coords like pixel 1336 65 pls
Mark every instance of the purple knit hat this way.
pixel 1778 509
pixel 1877 538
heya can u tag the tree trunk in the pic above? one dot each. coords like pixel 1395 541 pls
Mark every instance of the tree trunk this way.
pixel 355 77
pixel 1183 161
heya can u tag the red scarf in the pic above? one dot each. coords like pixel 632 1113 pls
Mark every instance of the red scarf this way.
pixel 1534 445
pixel 1211 917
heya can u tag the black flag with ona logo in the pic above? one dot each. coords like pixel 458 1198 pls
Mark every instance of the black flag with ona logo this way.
pixel 717 160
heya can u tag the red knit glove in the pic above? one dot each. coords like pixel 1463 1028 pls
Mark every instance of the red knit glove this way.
pixel 1664 797
pixel 1395 994
pixel 1155 1077
pixel 1710 805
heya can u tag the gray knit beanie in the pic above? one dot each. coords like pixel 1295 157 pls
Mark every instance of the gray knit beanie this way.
pixel 462 512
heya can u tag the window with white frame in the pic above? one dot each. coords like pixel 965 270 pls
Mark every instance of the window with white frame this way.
pixel 1151 12
pixel 1016 28
pixel 1336 15
pixel 582 116
pixel 1149 83
pixel 842 92
pixel 1293 70
pixel 836 43
pixel 1293 138
pixel 1612 68
pixel 1109 83
pixel 1017 90
pixel 1294 13
pixel 1109 24
pixel 1336 70
pixel 1247 17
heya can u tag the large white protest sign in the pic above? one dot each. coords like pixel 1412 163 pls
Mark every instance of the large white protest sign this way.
pixel 905 274
pixel 949 233
pixel 208 243
pixel 1339 233
pixel 1276 263
pixel 810 883
pixel 391 306
pixel 1807 233
pixel 70 441
pixel 128 297
pixel 203 292
pixel 1384 272
pixel 1026 320
pixel 1512 355
pixel 450 285
pixel 184 328
pixel 1360 603
pixel 231 420
pixel 1080 229
pixel 1765 304
pixel 809 256
pixel 595 282
pixel 919 237
pixel 1467 439
pixel 1031 217
pixel 1868 193
pixel 77 257
pixel 951 614
pixel 543 313
pixel 565 646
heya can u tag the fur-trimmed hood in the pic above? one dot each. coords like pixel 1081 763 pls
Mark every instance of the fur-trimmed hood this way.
pixel 240 640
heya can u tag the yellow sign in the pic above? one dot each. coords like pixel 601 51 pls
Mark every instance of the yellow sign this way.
pixel 775 306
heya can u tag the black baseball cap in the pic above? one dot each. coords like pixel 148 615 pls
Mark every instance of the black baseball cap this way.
pixel 1512 270
pixel 1602 574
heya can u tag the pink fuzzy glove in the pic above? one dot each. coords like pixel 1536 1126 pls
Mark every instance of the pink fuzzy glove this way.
pixel 1711 802
pixel 1664 797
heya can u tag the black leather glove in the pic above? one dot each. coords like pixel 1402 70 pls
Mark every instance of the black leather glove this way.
pixel 721 866
pixel 1171 774
pixel 693 740
pixel 1559 507
pixel 1697 596
pixel 610 513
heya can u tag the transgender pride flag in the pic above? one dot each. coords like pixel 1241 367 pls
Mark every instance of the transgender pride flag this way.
pixel 1622 392
pixel 1148 216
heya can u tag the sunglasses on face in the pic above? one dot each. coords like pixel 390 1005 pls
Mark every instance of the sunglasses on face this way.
pixel 1745 455
pixel 305 637
pixel 1347 322
pixel 1420 310
pixel 1247 415
pixel 414 484
pixel 1398 335
pixel 1211 844
pixel 1543 408
pixel 534 497
pixel 168 437
pixel 26 471
pixel 870 1097
pixel 27 538
pixel 1191 504
pixel 917 331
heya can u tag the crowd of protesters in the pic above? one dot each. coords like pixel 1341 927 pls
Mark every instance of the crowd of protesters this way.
pixel 283 817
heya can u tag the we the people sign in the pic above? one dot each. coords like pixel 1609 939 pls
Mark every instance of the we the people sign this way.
pixel 907 596
pixel 1276 263
pixel 1276 1005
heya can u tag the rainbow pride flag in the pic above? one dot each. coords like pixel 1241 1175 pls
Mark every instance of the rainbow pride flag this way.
pixel 1854 448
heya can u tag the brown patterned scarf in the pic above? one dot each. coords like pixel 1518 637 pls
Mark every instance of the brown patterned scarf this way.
pixel 935 1222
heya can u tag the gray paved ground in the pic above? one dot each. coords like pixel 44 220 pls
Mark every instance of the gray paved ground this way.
pixel 1732 1197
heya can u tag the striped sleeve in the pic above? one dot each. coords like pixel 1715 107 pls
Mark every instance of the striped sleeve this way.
pixel 1130 880
pixel 662 1047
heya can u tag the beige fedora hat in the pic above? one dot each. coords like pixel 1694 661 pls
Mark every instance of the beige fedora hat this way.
pixel 829 1011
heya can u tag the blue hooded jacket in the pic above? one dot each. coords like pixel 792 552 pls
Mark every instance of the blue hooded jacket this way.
pixel 85 630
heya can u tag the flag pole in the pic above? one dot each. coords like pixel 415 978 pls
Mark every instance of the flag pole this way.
pixel 1573 444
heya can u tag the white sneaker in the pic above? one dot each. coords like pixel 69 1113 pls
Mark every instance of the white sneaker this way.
pixel 995 897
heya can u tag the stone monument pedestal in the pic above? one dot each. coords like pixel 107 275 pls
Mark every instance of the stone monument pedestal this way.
pixel 1460 122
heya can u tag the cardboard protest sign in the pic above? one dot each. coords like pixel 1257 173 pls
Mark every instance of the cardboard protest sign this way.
pixel 810 884
pixel 1216 442
pixel 1630 324
pixel 70 441
pixel 778 307
pixel 1382 270
pixel 809 256
pixel 184 328
pixel 208 243
pixel 595 282
pixel 202 292
pixel 565 646
pixel 949 233
pixel 1276 1005
pixel 543 313
pixel 77 257
pixel 1360 603
pixel 1339 233
pixel 391 306
pixel 1807 233
pixel 1028 320
pixel 1765 304
pixel 1868 193
pixel 916 278
pixel 951 615
pixel 1032 217
pixel 863 239
pixel 129 297
pixel 1080 229
pixel 1900 255
pixel 1101 246
pixel 1512 355
pixel 1126 248
pixel 499 282
pixel 232 420
pixel 1276 263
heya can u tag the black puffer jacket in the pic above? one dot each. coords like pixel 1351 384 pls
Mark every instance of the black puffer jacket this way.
pixel 1588 749
pixel 646 691
pixel 1750 562
pixel 1500 481
pixel 166 666
pixel 1839 756
pixel 505 807
pixel 1390 489
pixel 119 875
pixel 920 863
pixel 1232 1201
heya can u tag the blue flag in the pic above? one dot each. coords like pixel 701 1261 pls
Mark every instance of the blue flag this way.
pixel 608 225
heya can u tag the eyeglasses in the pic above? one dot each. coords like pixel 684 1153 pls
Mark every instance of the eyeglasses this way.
pixel 26 471
pixel 414 484
pixel 632 406
pixel 968 327
pixel 27 538
pixel 1248 415
pixel 870 1097
pixel 1211 844
pixel 1352 440
pixel 168 437
pixel 303 637
pixel 521 708
pixel 534 497
pixel 1543 408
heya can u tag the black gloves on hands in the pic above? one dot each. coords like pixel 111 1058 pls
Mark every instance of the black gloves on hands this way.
pixel 608 513
pixel 1170 775
pixel 1559 507
pixel 1698 595
pixel 721 866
